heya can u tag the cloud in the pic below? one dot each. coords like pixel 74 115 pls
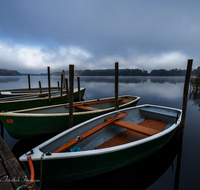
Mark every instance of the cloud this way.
pixel 149 62
pixel 34 59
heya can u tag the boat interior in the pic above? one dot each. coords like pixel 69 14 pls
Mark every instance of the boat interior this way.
pixel 93 105
pixel 137 124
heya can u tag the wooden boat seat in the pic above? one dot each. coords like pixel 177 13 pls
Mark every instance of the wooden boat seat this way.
pixel 125 100
pixel 134 127
pixel 134 132
pixel 143 127
pixel 87 108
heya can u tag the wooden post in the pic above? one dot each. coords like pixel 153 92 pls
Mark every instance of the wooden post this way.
pixel 29 82
pixel 63 72
pixel 71 94
pixel 61 88
pixel 185 96
pixel 58 85
pixel 40 87
pixel 67 89
pixel 116 86
pixel 79 89
pixel 184 108
pixel 49 85
pixel 2 129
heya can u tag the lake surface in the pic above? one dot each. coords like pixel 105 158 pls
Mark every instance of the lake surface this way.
pixel 159 171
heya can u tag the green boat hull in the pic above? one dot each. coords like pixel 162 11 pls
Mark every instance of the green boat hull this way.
pixel 23 127
pixel 60 172
pixel 38 102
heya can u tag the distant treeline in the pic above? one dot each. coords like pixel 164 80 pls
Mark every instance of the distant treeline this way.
pixel 5 72
pixel 138 72
pixel 111 72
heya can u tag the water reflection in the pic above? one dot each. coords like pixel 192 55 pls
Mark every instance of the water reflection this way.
pixel 126 79
pixel 135 80
pixel 8 79
pixel 194 94
pixel 173 80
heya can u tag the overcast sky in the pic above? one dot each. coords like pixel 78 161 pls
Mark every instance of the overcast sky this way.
pixel 94 34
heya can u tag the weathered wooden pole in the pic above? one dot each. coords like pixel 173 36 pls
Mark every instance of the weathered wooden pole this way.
pixel 40 87
pixel 2 129
pixel 29 82
pixel 79 89
pixel 67 89
pixel 185 97
pixel 63 72
pixel 61 88
pixel 49 85
pixel 71 94
pixel 182 124
pixel 58 85
pixel 116 86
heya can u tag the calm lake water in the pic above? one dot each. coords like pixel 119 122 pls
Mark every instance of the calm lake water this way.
pixel 159 171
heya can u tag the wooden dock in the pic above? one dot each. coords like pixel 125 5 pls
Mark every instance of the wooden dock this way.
pixel 11 174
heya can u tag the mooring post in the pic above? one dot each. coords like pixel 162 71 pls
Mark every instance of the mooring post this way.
pixel 116 86
pixel 2 129
pixel 67 89
pixel 63 72
pixel 61 88
pixel 185 97
pixel 49 85
pixel 71 94
pixel 79 89
pixel 58 85
pixel 182 124
pixel 29 82
pixel 40 87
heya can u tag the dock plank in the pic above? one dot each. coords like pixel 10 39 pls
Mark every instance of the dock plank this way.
pixel 11 166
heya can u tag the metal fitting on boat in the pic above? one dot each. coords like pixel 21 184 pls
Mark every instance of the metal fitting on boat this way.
pixel 48 153
pixel 78 138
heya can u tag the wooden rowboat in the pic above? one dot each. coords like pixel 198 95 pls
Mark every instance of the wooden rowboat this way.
pixel 32 101
pixel 24 92
pixel 33 122
pixel 103 144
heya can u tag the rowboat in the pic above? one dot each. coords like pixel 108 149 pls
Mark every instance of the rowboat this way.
pixel 27 123
pixel 31 101
pixel 24 92
pixel 102 144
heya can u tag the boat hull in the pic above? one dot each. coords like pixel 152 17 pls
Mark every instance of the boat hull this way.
pixel 59 172
pixel 32 103
pixel 62 166
pixel 27 126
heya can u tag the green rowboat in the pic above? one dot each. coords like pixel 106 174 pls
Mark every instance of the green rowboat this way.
pixel 32 101
pixel 25 91
pixel 22 124
pixel 86 150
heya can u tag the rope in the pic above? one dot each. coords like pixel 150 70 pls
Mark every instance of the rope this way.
pixel 41 167
pixel 31 169
pixel 27 187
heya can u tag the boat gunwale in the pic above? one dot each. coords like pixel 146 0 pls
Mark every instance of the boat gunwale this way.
pixel 3 101
pixel 66 155
pixel 19 113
